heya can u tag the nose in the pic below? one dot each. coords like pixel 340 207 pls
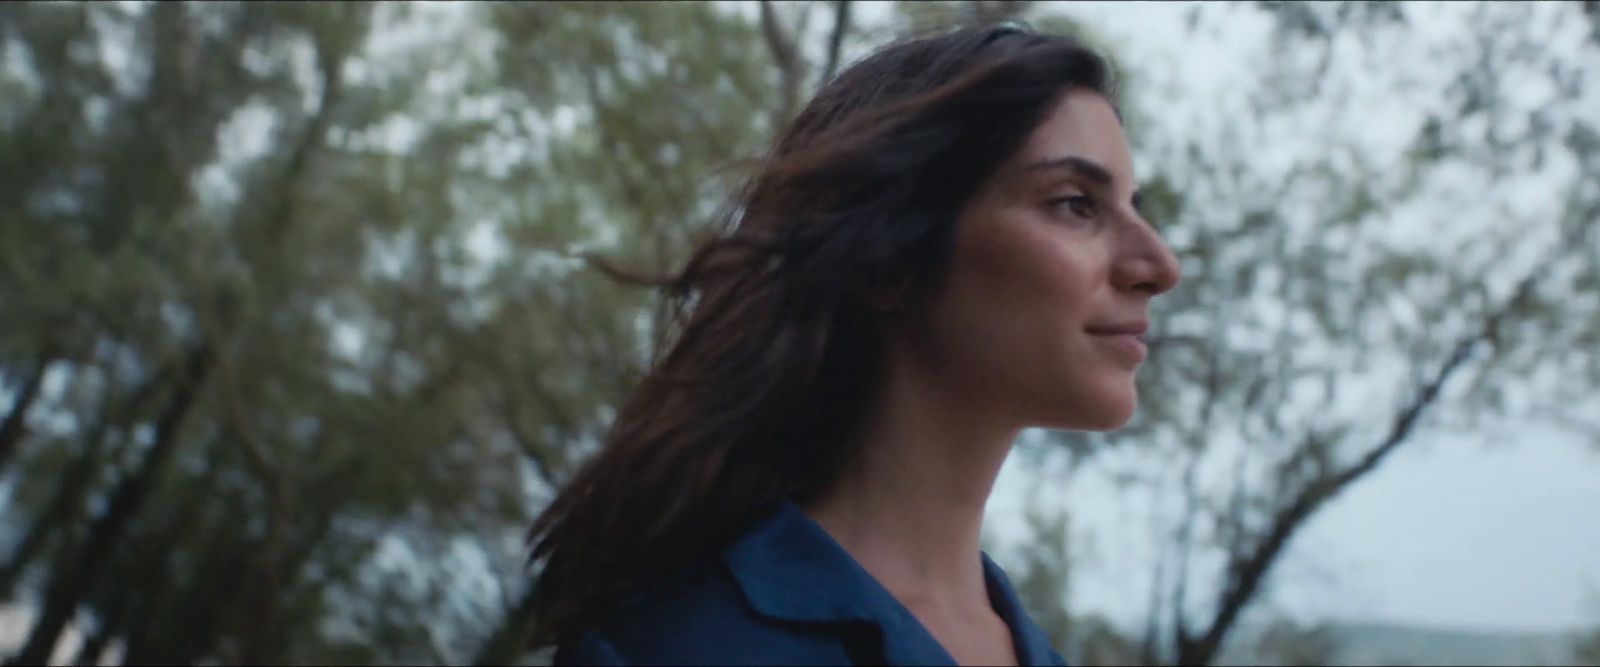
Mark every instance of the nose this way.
pixel 1144 263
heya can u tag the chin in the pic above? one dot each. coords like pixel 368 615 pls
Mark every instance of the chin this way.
pixel 1104 410
pixel 1111 419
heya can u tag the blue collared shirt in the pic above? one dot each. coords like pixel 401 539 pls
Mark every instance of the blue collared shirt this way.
pixel 786 593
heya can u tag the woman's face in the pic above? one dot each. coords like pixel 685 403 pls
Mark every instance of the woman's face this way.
pixel 1051 279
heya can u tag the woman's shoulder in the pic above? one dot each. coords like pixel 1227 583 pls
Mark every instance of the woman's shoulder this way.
pixel 700 617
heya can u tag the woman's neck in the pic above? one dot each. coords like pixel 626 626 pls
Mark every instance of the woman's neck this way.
pixel 909 505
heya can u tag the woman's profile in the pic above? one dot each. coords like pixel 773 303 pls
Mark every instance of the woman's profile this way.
pixel 942 249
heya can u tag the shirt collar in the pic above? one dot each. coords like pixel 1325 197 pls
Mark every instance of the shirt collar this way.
pixel 789 568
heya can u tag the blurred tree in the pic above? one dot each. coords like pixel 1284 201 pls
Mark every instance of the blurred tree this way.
pixel 208 233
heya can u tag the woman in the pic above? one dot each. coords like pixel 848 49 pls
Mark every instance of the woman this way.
pixel 943 249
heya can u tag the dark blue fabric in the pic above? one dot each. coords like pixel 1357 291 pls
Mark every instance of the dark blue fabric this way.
pixel 785 594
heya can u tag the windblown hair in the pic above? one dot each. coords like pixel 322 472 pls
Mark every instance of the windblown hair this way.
pixel 778 348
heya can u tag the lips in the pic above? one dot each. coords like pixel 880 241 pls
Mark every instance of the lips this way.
pixel 1123 337
pixel 1135 328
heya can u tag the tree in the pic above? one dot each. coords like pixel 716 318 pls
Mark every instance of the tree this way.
pixel 206 292
pixel 322 280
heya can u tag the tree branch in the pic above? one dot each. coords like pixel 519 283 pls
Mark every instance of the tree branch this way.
pixel 542 458
pixel 841 25
pixel 1152 631
pixel 1180 588
pixel 781 45
pixel 14 427
pixel 1246 572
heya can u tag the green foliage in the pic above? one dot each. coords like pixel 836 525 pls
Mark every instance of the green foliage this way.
pixel 367 213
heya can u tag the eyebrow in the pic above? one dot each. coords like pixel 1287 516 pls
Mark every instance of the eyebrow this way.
pixel 1086 169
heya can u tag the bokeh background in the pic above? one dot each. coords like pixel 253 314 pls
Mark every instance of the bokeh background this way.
pixel 296 333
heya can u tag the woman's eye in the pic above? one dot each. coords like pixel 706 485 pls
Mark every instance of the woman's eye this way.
pixel 1080 205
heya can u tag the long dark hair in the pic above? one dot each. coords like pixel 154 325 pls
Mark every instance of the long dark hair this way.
pixel 778 351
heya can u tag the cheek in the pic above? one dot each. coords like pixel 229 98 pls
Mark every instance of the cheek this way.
pixel 1010 321
pixel 1015 299
pixel 1036 278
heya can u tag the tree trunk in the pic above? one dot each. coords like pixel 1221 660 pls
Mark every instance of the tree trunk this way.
pixel 65 506
pixel 262 639
pixel 70 583
pixel 115 615
pixel 60 514
pixel 14 426
pixel 94 647
pixel 203 603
